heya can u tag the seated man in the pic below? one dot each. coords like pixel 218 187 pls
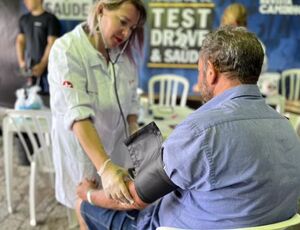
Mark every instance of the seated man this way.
pixel 234 162
pixel 236 14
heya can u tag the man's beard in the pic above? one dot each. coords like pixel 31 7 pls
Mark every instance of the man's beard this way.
pixel 206 93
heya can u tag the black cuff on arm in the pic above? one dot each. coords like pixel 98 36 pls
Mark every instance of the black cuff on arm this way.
pixel 145 149
pixel 152 182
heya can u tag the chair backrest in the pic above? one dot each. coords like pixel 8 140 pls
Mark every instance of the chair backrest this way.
pixel 276 226
pixel 290 84
pixel 278 101
pixel 297 126
pixel 268 83
pixel 170 86
pixel 36 124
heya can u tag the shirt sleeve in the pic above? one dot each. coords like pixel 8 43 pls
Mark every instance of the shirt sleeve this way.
pixel 54 26
pixel 67 80
pixel 187 159
pixel 21 21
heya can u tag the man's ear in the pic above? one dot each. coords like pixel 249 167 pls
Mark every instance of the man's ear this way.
pixel 100 10
pixel 212 73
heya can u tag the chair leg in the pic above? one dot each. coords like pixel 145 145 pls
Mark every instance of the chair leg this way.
pixel 8 152
pixel 72 219
pixel 32 193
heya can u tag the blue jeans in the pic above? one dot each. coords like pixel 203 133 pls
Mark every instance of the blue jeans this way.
pixel 98 218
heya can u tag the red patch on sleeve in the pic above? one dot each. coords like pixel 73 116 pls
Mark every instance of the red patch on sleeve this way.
pixel 68 84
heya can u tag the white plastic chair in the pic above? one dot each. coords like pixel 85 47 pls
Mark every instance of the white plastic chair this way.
pixel 36 125
pixel 169 89
pixel 268 83
pixel 276 226
pixel 292 77
pixel 297 126
pixel 278 101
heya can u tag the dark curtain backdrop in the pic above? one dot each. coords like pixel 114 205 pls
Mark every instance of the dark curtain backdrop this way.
pixel 9 79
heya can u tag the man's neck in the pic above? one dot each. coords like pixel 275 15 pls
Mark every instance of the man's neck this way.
pixel 38 11
pixel 225 84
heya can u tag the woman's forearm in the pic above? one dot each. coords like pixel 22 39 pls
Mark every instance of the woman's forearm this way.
pixel 90 141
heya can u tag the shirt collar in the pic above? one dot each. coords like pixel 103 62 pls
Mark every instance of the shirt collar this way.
pixel 244 90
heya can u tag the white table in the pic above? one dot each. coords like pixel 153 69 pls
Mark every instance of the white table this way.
pixel 166 118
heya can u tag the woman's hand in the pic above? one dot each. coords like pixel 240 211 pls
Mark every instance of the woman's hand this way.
pixel 83 187
pixel 113 183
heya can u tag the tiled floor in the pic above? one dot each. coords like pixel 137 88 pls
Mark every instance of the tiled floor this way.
pixel 50 214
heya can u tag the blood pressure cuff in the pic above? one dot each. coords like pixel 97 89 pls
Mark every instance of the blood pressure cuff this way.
pixel 145 149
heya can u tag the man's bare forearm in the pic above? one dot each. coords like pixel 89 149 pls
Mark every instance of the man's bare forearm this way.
pixel 99 199
pixel 20 48
pixel 50 42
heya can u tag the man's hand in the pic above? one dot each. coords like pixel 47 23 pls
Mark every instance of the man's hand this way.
pixel 85 186
pixel 133 127
pixel 22 64
pixel 38 69
pixel 113 183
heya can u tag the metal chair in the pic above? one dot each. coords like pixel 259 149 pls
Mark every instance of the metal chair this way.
pixel 36 125
pixel 276 226
pixel 290 84
pixel 170 87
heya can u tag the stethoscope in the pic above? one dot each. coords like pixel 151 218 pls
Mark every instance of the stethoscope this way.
pixel 113 62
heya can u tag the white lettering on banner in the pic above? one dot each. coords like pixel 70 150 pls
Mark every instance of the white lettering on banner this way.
pixel 177 31
pixel 157 16
pixel 155 55
pixel 172 18
pixel 181 56
pixel 69 9
pixel 277 2
pixel 203 13
pixel 176 17
pixel 280 7
pixel 177 38
pixel 188 18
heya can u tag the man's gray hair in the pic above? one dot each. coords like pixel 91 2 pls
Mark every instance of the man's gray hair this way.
pixel 235 52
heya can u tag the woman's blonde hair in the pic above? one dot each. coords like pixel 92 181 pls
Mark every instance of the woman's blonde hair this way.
pixel 137 37
pixel 235 13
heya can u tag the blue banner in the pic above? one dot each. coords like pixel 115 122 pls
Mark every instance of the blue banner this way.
pixel 176 27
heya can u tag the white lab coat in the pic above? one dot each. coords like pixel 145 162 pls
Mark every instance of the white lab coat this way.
pixel 81 86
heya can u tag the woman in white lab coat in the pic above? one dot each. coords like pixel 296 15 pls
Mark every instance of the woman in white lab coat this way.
pixel 93 82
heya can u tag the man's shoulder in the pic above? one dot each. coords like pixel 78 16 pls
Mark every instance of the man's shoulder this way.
pixel 49 15
pixel 203 119
pixel 25 17
pixel 230 111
